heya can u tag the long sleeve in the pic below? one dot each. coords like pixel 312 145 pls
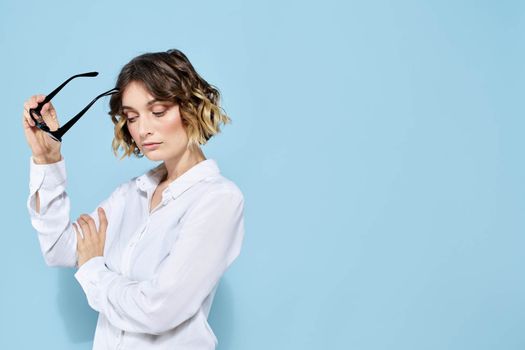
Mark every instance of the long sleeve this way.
pixel 56 235
pixel 209 241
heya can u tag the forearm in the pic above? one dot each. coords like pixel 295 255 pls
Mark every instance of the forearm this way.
pixel 209 242
pixel 46 159
pixel 49 210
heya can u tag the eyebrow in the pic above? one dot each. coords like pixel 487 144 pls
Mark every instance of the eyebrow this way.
pixel 155 100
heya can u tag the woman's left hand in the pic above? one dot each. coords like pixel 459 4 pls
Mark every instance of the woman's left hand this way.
pixel 92 244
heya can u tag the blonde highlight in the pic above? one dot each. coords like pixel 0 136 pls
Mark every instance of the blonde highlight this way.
pixel 169 76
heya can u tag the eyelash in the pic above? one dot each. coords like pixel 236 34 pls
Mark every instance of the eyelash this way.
pixel 156 114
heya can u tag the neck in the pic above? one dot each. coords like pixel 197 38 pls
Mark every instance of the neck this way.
pixel 178 166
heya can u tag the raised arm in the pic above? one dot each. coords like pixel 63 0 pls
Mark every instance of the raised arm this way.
pixel 49 210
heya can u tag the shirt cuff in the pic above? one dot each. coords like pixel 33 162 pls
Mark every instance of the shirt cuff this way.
pixel 89 272
pixel 89 276
pixel 46 175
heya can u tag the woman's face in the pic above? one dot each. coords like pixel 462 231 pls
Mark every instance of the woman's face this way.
pixel 156 126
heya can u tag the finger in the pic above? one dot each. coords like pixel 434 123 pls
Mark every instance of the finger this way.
pixel 52 112
pixel 48 108
pixel 27 117
pixel 28 120
pixel 80 242
pixel 91 224
pixel 39 98
pixel 80 238
pixel 25 123
pixel 103 221
pixel 50 117
pixel 85 228
pixel 35 100
pixel 32 103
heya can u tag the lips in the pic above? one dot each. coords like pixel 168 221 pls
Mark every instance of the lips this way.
pixel 151 145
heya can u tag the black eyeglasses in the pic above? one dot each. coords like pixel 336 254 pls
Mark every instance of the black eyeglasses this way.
pixel 57 134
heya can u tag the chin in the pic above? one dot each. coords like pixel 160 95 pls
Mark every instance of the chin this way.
pixel 154 156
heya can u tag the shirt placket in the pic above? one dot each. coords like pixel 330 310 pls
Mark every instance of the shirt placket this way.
pixel 127 261
pixel 127 257
pixel 128 253
pixel 119 340
pixel 131 247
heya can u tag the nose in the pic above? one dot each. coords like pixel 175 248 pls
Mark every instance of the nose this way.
pixel 144 128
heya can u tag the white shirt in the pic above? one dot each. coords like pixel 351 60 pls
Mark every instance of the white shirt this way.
pixel 155 284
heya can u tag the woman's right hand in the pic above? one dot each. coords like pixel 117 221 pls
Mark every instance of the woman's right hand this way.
pixel 45 149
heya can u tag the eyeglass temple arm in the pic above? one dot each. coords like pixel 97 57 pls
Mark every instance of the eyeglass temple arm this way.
pixel 54 92
pixel 62 130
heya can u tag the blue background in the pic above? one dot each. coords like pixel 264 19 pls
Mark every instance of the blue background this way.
pixel 379 145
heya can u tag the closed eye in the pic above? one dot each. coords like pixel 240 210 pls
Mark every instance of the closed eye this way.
pixel 130 119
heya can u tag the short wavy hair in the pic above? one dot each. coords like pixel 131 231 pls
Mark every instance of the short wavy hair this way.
pixel 169 76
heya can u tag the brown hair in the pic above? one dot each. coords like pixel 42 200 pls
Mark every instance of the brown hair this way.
pixel 169 76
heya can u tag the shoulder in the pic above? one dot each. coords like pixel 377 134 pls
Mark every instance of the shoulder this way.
pixel 124 188
pixel 216 191
pixel 214 201
pixel 218 184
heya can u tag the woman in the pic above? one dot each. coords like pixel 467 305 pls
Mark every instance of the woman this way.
pixel 151 256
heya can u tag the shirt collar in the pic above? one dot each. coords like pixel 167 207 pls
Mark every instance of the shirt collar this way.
pixel 195 174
